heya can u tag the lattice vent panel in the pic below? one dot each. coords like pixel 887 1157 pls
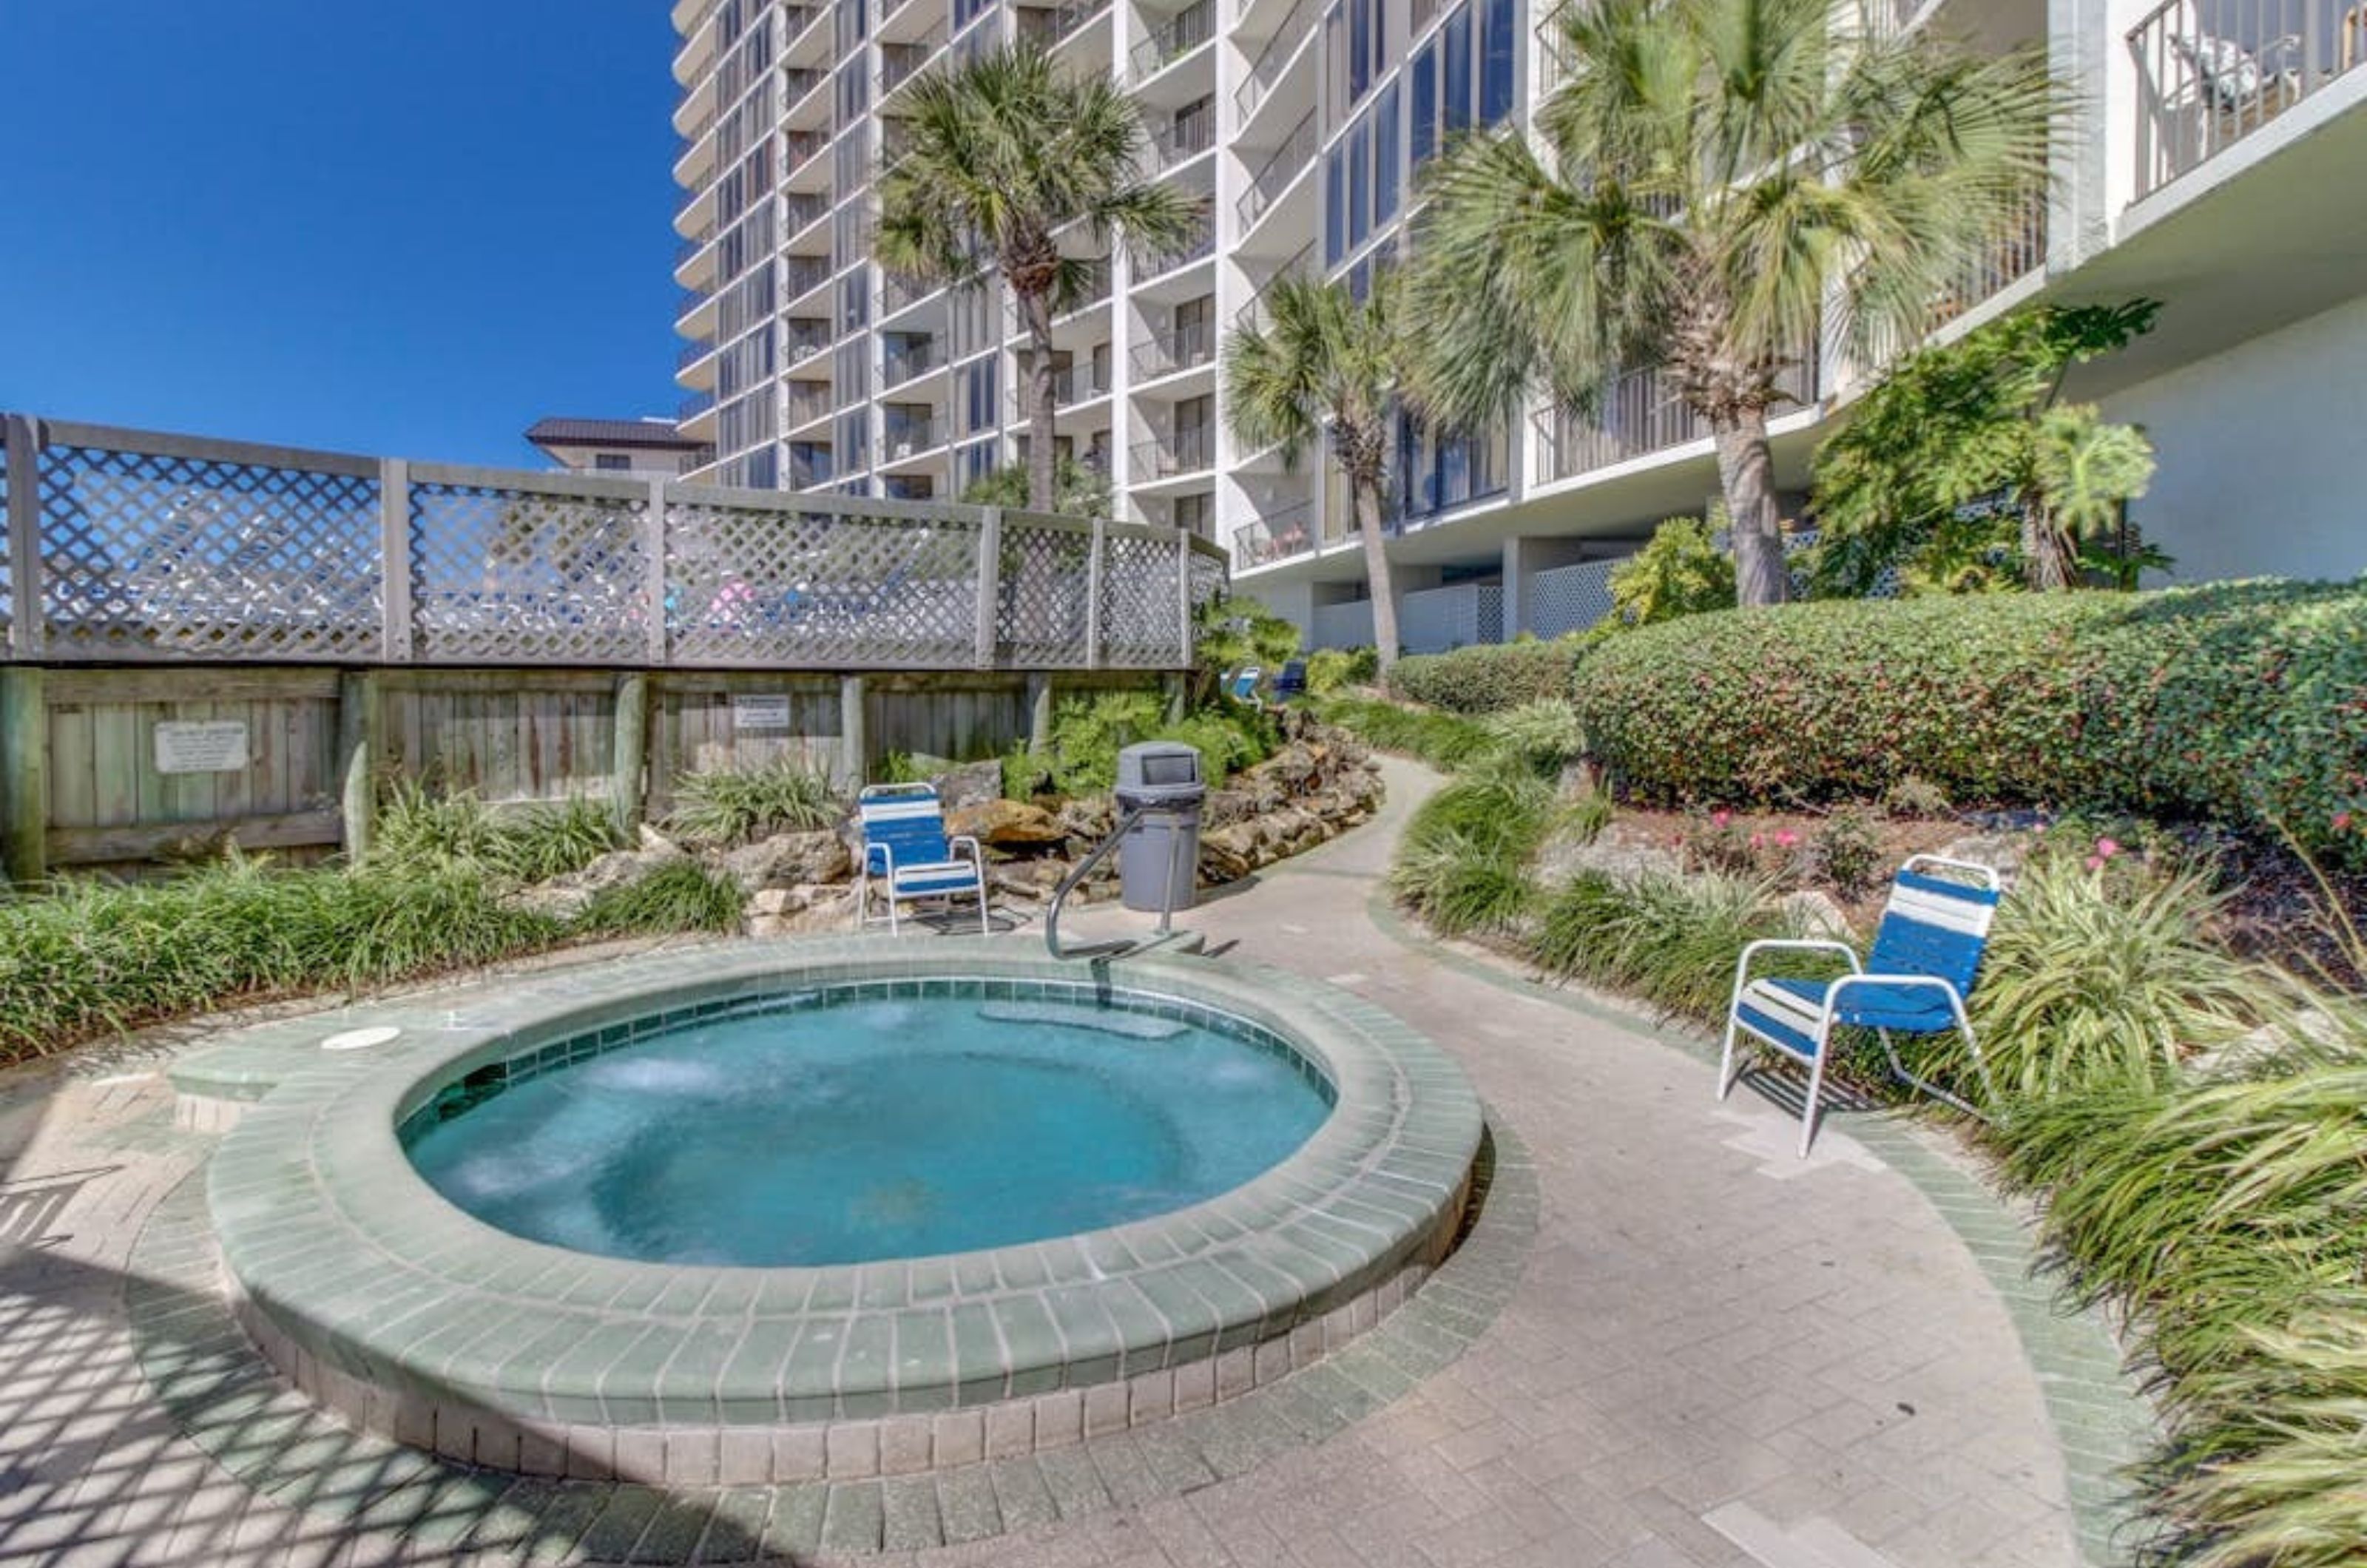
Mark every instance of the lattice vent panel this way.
pixel 822 588
pixel 1139 602
pixel 1209 579
pixel 1040 615
pixel 145 556
pixel 504 576
pixel 1570 598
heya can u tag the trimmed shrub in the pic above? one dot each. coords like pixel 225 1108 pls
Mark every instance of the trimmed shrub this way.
pixel 1487 677
pixel 2244 702
pixel 1333 669
pixel 1442 740
pixel 1089 731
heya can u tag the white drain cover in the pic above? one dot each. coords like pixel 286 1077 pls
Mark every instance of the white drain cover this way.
pixel 360 1039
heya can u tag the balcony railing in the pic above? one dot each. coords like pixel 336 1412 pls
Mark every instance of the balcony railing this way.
pixel 691 407
pixel 1291 159
pixel 1192 26
pixel 803 275
pixel 1095 288
pixel 1276 536
pixel 1150 262
pixel 2210 72
pixel 796 81
pixel 1183 140
pixel 801 210
pixel 1640 412
pixel 1188 451
pixel 896 290
pixel 1047 26
pixel 807 401
pixel 902 438
pixel 692 352
pixel 900 63
pixel 1253 312
pixel 800 346
pixel 917 358
pixel 799 148
pixel 1266 70
pixel 1164 354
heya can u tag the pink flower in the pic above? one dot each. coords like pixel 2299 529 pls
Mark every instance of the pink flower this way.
pixel 2106 849
pixel 2342 821
pixel 1720 818
pixel 1757 840
pixel 1786 838
pixel 2095 863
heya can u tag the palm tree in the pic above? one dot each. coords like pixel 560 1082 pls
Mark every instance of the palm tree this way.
pixel 1005 152
pixel 1328 365
pixel 1718 177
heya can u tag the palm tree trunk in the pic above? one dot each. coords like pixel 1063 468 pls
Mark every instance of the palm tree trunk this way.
pixel 1746 473
pixel 2046 554
pixel 1042 394
pixel 1365 496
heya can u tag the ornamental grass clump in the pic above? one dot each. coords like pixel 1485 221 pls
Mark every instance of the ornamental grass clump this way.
pixel 681 896
pixel 1463 863
pixel 740 805
pixel 2103 969
pixel 1444 740
pixel 417 829
pixel 1670 941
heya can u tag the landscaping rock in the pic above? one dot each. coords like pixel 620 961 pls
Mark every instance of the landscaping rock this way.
pixel 1088 821
pixel 564 897
pixel 1006 823
pixel 1818 915
pixel 971 784
pixel 656 844
pixel 2004 851
pixel 1617 853
pixel 799 910
pixel 1230 854
pixel 786 858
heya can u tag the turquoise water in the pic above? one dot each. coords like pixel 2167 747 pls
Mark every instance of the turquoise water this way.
pixel 870 1129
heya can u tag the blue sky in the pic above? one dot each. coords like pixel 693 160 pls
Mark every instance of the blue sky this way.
pixel 406 229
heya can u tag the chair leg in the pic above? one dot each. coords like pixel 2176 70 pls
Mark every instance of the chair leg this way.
pixel 892 928
pixel 1815 1088
pixel 983 929
pixel 1726 1071
pixel 1955 1101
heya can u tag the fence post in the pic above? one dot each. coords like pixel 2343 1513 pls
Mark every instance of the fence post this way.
pixel 394 559
pixel 629 756
pixel 25 626
pixel 24 773
pixel 653 570
pixel 1093 595
pixel 990 584
pixel 1039 711
pixel 854 748
pixel 359 725
pixel 1182 598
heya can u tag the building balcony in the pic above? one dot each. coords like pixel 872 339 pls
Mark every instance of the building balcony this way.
pixel 906 436
pixel 1170 353
pixel 1094 290
pixel 805 402
pixel 1276 536
pixel 800 276
pixel 1192 28
pixel 900 63
pixel 802 342
pixel 1197 245
pixel 1181 140
pixel 1282 168
pixel 908 360
pixel 1048 26
pixel 2210 72
pixel 692 353
pixel 1640 413
pixel 691 407
pixel 1274 59
pixel 1188 451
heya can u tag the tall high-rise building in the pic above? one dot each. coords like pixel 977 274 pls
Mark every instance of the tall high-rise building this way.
pixel 2212 169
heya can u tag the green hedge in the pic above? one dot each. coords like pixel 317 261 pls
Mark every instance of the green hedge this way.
pixel 2246 702
pixel 1486 678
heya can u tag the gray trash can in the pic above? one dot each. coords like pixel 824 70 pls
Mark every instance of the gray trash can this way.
pixel 1166 777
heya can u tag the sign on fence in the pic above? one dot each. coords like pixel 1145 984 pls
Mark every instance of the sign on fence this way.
pixel 760 710
pixel 217 746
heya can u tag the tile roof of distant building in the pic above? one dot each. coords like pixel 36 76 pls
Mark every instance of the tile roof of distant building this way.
pixel 652 432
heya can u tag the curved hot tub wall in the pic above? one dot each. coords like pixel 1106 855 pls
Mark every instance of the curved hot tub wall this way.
pixel 409 1316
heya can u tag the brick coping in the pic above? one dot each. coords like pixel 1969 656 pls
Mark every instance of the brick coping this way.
pixel 410 1318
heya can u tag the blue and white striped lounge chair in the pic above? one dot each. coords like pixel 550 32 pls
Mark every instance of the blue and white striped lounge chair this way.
pixel 1926 952
pixel 905 848
pixel 1242 686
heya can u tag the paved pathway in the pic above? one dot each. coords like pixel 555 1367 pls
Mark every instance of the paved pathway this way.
pixel 1675 1345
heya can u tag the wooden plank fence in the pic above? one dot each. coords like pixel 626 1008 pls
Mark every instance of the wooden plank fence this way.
pixel 83 784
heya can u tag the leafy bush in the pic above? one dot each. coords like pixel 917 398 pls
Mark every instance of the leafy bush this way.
pixel 1333 670
pixel 1678 572
pixel 1845 852
pixel 1463 863
pixel 1442 740
pixel 682 895
pixel 1486 677
pixel 740 805
pixel 2097 973
pixel 1088 732
pixel 2241 701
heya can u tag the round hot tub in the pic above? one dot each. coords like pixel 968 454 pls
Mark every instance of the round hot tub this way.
pixel 939 1199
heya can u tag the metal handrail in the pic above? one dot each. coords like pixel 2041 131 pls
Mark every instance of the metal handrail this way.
pixel 1084 868
pixel 1296 29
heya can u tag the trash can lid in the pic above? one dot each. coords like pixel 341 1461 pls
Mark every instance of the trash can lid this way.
pixel 1160 768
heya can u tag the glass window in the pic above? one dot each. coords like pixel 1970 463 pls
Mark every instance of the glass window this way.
pixel 854 300
pixel 854 439
pixel 1335 208
pixel 854 92
pixel 1496 62
pixel 1456 65
pixel 1385 155
pixel 612 462
pixel 1360 48
pixel 1425 105
pixel 849 25
pixel 1360 212
pixel 1335 67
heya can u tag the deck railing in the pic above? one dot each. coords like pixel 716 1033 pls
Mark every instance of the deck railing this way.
pixel 129 545
pixel 1639 413
pixel 2210 72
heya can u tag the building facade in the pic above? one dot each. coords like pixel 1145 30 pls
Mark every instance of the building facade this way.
pixel 2207 172
pixel 618 446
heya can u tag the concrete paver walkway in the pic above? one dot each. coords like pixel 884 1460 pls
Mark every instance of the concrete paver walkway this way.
pixel 1701 1351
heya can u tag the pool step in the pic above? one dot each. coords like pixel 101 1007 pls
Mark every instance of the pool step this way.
pixel 1107 1021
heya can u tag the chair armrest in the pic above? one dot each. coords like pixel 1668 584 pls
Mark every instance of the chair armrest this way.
pixel 1919 982
pixel 1790 944
pixel 977 856
pixel 883 855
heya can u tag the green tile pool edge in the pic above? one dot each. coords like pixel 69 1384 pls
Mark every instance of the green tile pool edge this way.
pixel 320 1215
pixel 234 1406
pixel 2072 1355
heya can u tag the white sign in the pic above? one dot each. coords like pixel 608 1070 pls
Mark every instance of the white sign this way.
pixel 760 710
pixel 218 746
